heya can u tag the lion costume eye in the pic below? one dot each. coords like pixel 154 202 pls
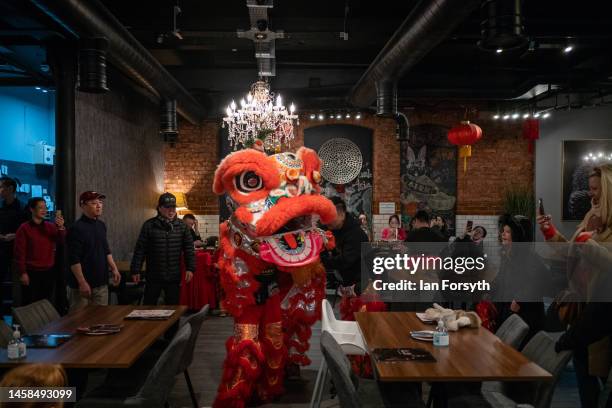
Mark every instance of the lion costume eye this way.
pixel 248 182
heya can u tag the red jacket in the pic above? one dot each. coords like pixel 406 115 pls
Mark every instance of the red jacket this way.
pixel 35 246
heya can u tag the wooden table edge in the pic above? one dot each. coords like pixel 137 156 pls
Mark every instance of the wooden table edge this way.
pixel 181 309
pixel 545 377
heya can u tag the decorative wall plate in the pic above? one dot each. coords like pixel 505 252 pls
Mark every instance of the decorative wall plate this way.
pixel 341 159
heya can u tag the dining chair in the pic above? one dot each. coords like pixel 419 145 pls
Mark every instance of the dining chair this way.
pixel 5 334
pixel 354 392
pixel 604 395
pixel 541 350
pixel 346 334
pixel 195 321
pixel 155 389
pixel 35 316
pixel 513 331
pixel 144 364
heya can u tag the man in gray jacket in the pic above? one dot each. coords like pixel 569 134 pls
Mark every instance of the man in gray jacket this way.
pixel 163 240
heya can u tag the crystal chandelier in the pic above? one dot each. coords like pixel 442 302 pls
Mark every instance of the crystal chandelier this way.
pixel 258 117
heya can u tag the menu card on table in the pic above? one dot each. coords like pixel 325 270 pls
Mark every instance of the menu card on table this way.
pixel 390 355
pixel 149 314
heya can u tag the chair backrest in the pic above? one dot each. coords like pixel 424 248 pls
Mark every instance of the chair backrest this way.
pixel 5 334
pixel 195 321
pixel 541 350
pixel 604 395
pixel 327 316
pixel 156 388
pixel 513 331
pixel 345 381
pixel 35 316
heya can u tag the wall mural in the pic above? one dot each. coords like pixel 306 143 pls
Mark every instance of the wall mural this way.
pixel 576 170
pixel 357 193
pixel 428 173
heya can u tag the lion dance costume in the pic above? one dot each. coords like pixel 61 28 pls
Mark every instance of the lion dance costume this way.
pixel 270 269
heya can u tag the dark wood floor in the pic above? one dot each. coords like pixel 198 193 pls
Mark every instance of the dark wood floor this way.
pixel 210 351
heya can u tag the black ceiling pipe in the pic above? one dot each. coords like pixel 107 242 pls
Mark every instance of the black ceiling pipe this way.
pixel 386 98
pixel 429 23
pixel 502 25
pixel 168 125
pixel 91 18
pixel 92 65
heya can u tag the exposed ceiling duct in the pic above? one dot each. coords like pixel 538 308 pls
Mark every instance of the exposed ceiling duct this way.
pixel 92 65
pixel 429 23
pixel 262 36
pixel 91 18
pixel 502 25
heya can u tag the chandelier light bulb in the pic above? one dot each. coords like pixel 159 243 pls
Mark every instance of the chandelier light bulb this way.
pixel 249 97
pixel 279 101
pixel 292 108
pixel 228 111
pixel 233 105
pixel 321 116
pixel 242 103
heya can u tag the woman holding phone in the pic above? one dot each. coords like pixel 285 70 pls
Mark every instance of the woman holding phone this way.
pixel 393 232
pixel 587 272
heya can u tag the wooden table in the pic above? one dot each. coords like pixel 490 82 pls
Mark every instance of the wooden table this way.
pixel 473 354
pixel 111 351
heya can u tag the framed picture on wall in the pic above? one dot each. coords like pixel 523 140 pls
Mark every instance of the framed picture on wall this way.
pixel 579 159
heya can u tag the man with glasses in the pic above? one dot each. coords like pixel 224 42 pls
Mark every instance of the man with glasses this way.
pixel 163 240
pixel 89 255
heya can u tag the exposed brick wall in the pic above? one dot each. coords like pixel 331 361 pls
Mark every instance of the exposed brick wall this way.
pixel 191 163
pixel 499 160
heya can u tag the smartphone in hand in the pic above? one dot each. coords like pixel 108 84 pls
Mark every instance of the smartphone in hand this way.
pixel 468 226
pixel 541 207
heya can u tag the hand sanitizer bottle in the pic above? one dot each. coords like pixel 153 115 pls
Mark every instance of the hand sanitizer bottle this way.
pixel 12 350
pixel 440 338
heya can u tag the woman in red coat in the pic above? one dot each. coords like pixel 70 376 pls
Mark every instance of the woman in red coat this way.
pixel 35 245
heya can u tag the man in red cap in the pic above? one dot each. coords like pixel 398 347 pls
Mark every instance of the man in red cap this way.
pixel 89 255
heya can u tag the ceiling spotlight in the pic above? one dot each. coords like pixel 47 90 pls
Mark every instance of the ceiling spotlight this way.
pixel 358 116
pixel 338 116
pixel 312 116
pixel 525 116
pixel 37 88
pixel 600 154
pixel 546 115
pixel 568 49
pixel 499 50
pixel 45 91
pixel 495 117
pixel 536 115
pixel 515 116
pixel 234 49
pixel 506 117
pixel 321 116
pixel 348 116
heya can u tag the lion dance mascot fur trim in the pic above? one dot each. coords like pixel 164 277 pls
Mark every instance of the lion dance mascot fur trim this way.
pixel 270 269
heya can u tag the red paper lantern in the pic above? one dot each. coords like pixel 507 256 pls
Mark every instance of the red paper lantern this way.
pixel 465 135
pixel 531 132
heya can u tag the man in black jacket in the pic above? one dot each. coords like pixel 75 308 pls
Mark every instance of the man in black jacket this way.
pixel 162 241
pixel 346 258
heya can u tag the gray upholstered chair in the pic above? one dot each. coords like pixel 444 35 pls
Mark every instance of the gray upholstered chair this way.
pixel 355 393
pixel 540 350
pixel 35 316
pixel 604 395
pixel 149 358
pixel 154 391
pixel 5 334
pixel 513 331
pixel 195 321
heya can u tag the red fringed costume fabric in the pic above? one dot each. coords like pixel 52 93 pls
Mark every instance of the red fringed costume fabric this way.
pixel 269 268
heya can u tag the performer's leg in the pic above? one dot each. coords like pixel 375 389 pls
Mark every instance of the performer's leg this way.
pixel 271 337
pixel 243 363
